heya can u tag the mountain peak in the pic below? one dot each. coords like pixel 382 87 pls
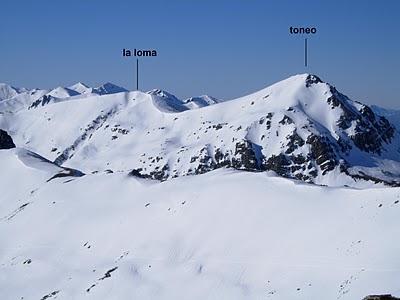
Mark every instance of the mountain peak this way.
pixel 109 88
pixel 161 93
pixel 79 84
pixel 7 91
pixel 200 101
pixel 62 92
pixel 312 79
pixel 80 88
pixel 304 78
pixel 166 102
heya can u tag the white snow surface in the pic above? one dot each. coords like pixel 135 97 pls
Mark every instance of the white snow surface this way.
pixel 225 234
pixel 221 235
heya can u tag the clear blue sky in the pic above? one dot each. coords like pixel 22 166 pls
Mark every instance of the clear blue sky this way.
pixel 217 47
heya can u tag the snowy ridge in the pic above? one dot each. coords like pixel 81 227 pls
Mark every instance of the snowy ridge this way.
pixel 300 128
pixel 81 88
pixel 200 101
pixel 14 99
pixel 7 91
pixel 76 91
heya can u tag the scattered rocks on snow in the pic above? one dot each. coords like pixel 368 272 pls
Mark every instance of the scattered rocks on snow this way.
pixel 50 295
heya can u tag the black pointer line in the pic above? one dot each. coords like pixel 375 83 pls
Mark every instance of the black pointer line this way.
pixel 305 52
pixel 137 74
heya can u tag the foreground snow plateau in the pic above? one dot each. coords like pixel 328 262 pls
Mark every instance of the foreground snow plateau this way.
pixel 222 235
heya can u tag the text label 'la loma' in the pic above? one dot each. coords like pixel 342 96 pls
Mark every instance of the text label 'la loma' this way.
pixel 138 53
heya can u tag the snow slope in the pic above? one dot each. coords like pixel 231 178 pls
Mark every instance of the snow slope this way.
pixel 112 236
pixel 23 171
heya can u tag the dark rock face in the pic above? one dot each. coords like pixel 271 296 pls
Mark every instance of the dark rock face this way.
pixel 138 173
pixel 206 162
pixel 371 132
pixel 279 164
pixel 367 141
pixel 381 297
pixel 45 99
pixel 161 174
pixel 322 152
pixel 245 157
pixel 291 166
pixel 6 141
pixel 286 120
pixel 295 141
pixel 312 79
pixel 349 114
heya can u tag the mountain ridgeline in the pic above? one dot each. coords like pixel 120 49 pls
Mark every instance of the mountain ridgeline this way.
pixel 300 128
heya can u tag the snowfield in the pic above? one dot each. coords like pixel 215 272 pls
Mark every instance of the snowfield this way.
pixel 289 193
pixel 222 235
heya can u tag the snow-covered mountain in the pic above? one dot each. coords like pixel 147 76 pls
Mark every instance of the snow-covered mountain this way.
pixel 82 218
pixel 7 91
pixel 108 88
pixel 81 88
pixel 300 128
pixel 14 99
pixel 77 90
pixel 200 101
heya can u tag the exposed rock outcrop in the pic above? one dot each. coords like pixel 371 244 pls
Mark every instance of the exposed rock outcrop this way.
pixel 6 141
pixel 381 297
